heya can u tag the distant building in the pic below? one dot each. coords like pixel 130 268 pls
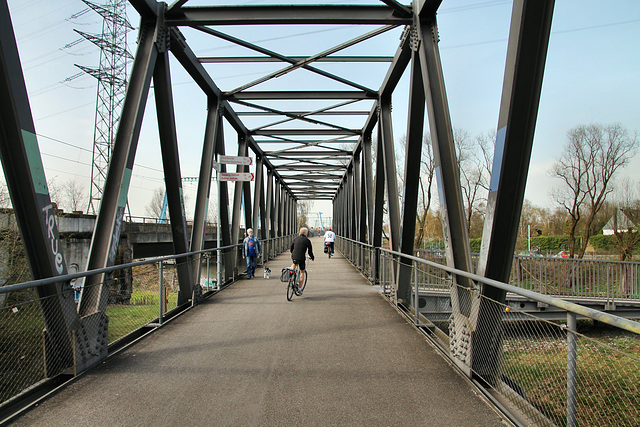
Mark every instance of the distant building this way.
pixel 624 220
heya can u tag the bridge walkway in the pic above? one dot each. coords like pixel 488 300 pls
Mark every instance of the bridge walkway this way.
pixel 337 355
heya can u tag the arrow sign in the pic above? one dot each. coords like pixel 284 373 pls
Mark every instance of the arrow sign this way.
pixel 236 160
pixel 242 176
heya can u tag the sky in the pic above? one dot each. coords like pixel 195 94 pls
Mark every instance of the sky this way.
pixel 592 75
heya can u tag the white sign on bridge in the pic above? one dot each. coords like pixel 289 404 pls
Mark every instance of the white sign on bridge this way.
pixel 236 160
pixel 242 176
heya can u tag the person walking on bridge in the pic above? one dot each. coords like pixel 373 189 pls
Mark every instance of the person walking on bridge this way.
pixel 251 251
pixel 299 248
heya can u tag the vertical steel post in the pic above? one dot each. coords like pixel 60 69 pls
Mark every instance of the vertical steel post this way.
pixel 160 294
pixel 367 163
pixel 416 301
pixel 237 195
pixel 258 202
pixel 106 235
pixel 524 69
pixel 26 181
pixel 277 205
pixel 223 200
pixel 413 156
pixel 219 228
pixel 214 116
pixel 269 205
pixel 171 164
pixel 391 178
pixel 357 195
pixel 454 223
pixel 572 370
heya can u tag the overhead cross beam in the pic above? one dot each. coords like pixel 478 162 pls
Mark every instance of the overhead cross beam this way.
pixel 287 15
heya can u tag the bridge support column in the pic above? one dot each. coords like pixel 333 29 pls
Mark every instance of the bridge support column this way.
pixel 223 203
pixel 237 200
pixel 413 156
pixel 214 116
pixel 526 56
pixel 454 224
pixel 269 208
pixel 378 201
pixel 106 235
pixel 173 180
pixel 258 220
pixel 26 181
pixel 391 178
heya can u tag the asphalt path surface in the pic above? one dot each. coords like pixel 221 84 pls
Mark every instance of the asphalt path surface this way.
pixel 339 355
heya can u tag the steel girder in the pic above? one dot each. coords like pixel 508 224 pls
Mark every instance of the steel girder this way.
pixel 26 181
pixel 368 192
pixel 413 157
pixel 238 194
pixel 223 209
pixel 391 178
pixel 106 236
pixel 448 177
pixel 279 15
pixel 214 116
pixel 269 208
pixel 172 177
pixel 257 220
pixel 526 57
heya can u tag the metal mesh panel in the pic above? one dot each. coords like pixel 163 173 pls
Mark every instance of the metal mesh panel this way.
pixel 533 367
pixel 141 306
pixel 21 343
pixel 541 370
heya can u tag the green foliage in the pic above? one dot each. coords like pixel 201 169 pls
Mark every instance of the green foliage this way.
pixel 550 243
pixel 608 243
pixel 603 243
pixel 475 244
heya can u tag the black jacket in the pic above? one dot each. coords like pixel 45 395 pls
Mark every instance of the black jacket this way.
pixel 299 247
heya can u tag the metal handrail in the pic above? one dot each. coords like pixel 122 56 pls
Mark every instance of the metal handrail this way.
pixel 607 318
pixel 69 277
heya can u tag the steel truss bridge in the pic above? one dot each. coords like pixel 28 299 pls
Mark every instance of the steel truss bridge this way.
pixel 308 142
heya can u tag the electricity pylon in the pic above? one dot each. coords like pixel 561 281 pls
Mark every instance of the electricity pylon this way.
pixel 112 85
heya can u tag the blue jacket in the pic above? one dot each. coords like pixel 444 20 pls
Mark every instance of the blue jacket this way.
pixel 245 246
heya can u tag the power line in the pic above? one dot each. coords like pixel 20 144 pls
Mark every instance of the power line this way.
pixel 90 151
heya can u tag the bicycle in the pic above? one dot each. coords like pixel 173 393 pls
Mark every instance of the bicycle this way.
pixel 329 251
pixel 293 286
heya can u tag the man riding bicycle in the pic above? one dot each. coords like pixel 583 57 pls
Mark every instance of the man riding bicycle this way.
pixel 329 240
pixel 299 248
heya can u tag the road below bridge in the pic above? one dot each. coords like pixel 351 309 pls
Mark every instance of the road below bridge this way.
pixel 338 355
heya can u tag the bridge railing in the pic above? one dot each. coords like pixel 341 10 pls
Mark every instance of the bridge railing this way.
pixel 143 296
pixel 567 277
pixel 544 373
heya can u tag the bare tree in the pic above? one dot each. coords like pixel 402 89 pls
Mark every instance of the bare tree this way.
pixel 55 191
pixel 427 174
pixel 154 208
pixel 303 213
pixel 627 206
pixel 590 160
pixel 74 195
pixel 474 162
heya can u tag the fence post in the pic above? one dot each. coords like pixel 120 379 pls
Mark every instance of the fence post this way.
pixel 416 301
pixel 160 296
pixel 572 353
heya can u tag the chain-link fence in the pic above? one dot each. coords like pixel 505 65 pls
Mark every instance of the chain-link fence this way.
pixel 584 372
